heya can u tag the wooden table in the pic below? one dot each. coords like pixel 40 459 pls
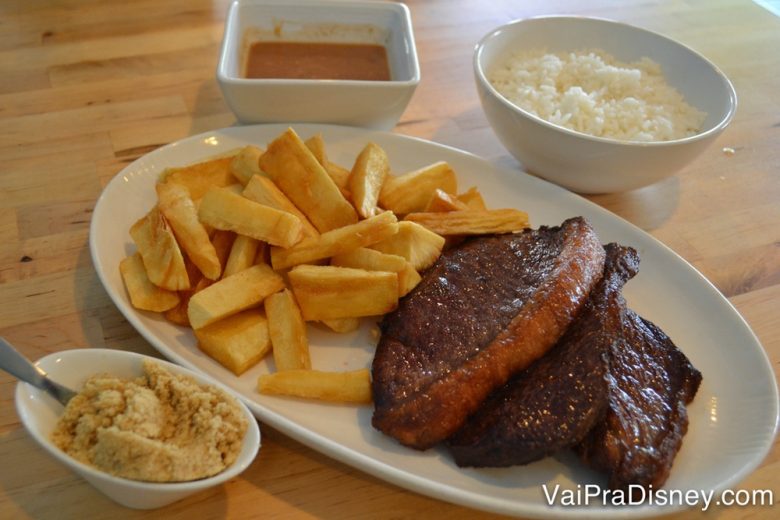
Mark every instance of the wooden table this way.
pixel 88 86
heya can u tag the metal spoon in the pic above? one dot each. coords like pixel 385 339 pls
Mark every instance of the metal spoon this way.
pixel 17 365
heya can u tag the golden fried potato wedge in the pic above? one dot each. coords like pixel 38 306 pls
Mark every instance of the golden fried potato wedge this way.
pixel 263 255
pixel 143 293
pixel 193 272
pixel 242 254
pixel 373 260
pixel 237 342
pixel 223 244
pixel 370 260
pixel 328 292
pixel 264 191
pixel 178 315
pixel 302 178
pixel 179 210
pixel 342 325
pixel 223 209
pixel 368 175
pixel 246 164
pixel 342 387
pixel 443 201
pixel 408 279
pixel 316 145
pixel 338 174
pixel 412 191
pixel 160 252
pixel 233 294
pixel 236 188
pixel 288 332
pixel 472 222
pixel 420 246
pixel 472 198
pixel 365 232
pixel 201 177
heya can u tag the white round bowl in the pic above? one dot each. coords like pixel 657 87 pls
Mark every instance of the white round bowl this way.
pixel 581 162
pixel 39 414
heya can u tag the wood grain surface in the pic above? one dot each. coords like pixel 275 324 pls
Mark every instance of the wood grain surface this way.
pixel 88 86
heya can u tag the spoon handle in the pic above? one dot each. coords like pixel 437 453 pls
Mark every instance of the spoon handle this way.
pixel 17 365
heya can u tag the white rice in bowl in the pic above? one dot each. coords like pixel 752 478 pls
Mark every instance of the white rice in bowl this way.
pixel 593 93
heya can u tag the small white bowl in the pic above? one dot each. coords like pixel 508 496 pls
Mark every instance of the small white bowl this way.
pixel 371 104
pixel 581 162
pixel 39 414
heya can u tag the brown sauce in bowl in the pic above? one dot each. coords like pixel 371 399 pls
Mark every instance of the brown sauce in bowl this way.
pixel 316 60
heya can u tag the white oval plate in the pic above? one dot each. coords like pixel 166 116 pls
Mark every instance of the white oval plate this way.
pixel 732 419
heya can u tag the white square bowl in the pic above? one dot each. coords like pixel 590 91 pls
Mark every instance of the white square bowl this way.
pixel 371 104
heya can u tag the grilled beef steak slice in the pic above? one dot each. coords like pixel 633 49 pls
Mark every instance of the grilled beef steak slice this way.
pixel 484 311
pixel 650 381
pixel 556 401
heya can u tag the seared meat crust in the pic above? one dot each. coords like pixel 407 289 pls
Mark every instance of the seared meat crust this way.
pixel 483 312
pixel 650 382
pixel 615 387
pixel 556 401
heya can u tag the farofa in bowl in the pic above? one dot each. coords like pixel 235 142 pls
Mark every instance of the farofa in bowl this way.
pixel 160 427
pixel 40 414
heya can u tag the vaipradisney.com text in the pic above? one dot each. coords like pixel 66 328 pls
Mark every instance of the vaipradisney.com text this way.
pixel 635 495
